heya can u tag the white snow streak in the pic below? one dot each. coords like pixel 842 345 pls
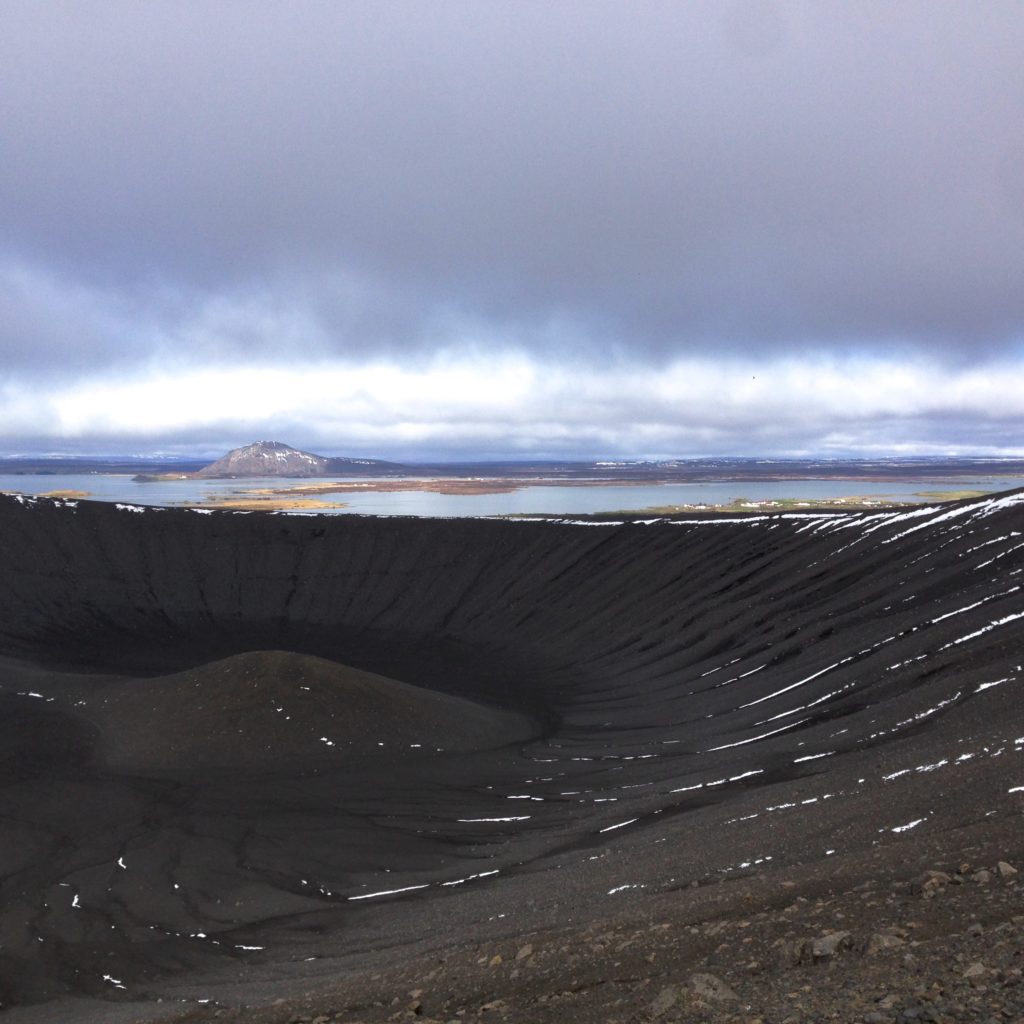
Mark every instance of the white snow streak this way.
pixel 389 892
pixel 621 824
pixel 754 739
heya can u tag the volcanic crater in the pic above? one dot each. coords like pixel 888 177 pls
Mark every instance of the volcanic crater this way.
pixel 245 755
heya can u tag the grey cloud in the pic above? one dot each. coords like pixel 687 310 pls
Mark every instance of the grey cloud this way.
pixel 656 177
pixel 59 327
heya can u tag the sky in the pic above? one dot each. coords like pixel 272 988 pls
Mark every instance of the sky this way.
pixel 513 229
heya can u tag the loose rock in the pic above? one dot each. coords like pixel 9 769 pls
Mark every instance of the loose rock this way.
pixel 881 941
pixel 976 973
pixel 709 987
pixel 667 998
pixel 829 944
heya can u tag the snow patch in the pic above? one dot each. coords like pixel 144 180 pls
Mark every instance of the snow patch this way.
pixel 470 821
pixel 621 824
pixel 906 828
pixel 389 892
pixel 471 878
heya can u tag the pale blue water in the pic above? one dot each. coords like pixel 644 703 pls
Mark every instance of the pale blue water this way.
pixel 554 500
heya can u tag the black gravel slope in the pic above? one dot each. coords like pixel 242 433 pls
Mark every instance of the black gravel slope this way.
pixel 204 791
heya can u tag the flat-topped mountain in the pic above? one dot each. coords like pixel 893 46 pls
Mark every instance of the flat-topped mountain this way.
pixel 273 458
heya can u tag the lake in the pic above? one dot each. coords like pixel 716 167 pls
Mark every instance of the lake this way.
pixel 536 500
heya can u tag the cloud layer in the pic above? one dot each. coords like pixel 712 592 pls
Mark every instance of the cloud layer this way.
pixel 507 405
pixel 598 192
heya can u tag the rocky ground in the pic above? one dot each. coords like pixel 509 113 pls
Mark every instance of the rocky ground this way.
pixel 935 934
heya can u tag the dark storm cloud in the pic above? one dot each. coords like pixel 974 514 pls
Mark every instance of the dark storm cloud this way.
pixel 662 177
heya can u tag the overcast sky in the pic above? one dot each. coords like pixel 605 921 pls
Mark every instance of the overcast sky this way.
pixel 498 228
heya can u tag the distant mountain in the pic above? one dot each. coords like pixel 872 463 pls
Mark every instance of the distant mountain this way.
pixel 272 458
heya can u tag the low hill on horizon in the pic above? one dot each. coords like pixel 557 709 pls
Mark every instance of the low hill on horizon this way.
pixel 274 458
